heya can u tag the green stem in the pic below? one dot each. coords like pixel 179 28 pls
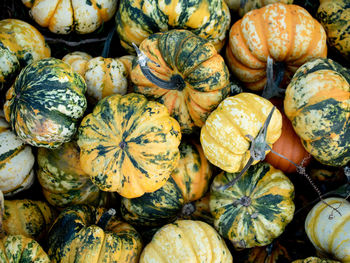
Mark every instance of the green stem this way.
pixel 106 216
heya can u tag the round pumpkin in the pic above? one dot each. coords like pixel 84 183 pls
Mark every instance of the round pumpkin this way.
pixel 285 33
pixel 20 45
pixel 223 136
pixel 83 234
pixel 63 180
pixel 65 16
pixel 137 19
pixel 45 103
pixel 328 230
pixel 191 67
pixel 16 161
pixel 186 241
pixel 317 102
pixel 244 6
pixel 256 209
pixel 129 145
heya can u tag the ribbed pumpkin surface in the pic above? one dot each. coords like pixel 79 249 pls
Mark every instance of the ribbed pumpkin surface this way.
pixel 45 103
pixel 186 241
pixel 78 61
pixel 129 144
pixel 256 209
pixel 286 33
pixel 317 102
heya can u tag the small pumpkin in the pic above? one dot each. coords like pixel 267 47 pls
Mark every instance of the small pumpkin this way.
pixel 45 103
pixel 14 178
pixel 327 228
pixel 285 33
pixel 65 16
pixel 129 145
pixel 83 233
pixel 138 19
pixel 318 105
pixel 186 241
pixel 223 136
pixel 256 209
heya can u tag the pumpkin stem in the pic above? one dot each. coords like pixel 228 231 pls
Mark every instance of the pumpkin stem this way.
pixel 106 216
pixel 188 209
pixel 107 44
pixel 271 88
pixel 176 81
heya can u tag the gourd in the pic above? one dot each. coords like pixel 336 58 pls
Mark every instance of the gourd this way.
pixel 317 103
pixel 63 180
pixel 256 209
pixel 327 228
pixel 334 17
pixel 20 45
pixel 284 33
pixel 65 16
pixel 186 241
pixel 137 19
pixel 129 145
pixel 223 136
pixel 45 103
pixel 188 76
pixel 83 233
pixel 14 178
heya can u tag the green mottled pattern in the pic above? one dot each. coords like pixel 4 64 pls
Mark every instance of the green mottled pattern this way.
pixel 47 102
pixel 154 209
pixel 9 64
pixel 264 217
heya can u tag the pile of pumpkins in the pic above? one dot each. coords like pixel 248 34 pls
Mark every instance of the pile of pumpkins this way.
pixel 183 149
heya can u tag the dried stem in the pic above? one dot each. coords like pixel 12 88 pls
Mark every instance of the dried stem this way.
pixel 73 43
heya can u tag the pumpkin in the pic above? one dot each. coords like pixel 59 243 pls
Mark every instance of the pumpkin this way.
pixel 327 228
pixel 129 145
pixel 223 134
pixel 20 45
pixel 78 61
pixel 83 233
pixel 285 33
pixel 14 178
pixel 137 19
pixel 317 102
pixel 256 209
pixel 35 218
pixel 186 241
pixel 315 260
pixel 65 16
pixel 334 15
pixel 193 76
pixel 243 7
pixel 63 180
pixel 45 103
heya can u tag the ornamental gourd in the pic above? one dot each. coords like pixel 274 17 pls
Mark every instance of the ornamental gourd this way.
pixel 256 209
pixel 285 33
pixel 14 178
pixel 188 76
pixel 137 19
pixel 20 45
pixel 45 103
pixel 186 241
pixel 129 145
pixel 223 136
pixel 327 229
pixel 83 234
pixel 65 16
pixel 317 102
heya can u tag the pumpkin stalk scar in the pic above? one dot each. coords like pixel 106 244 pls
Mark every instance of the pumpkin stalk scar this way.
pixel 271 88
pixel 103 222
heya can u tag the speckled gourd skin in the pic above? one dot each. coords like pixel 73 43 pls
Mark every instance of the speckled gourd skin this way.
pixel 14 178
pixel 244 6
pixel 76 237
pixel 65 16
pixel 186 241
pixel 137 19
pixel 17 248
pixel 193 59
pixel 286 33
pixel 129 145
pixel 223 134
pixel 261 219
pixel 317 102
pixel 45 103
